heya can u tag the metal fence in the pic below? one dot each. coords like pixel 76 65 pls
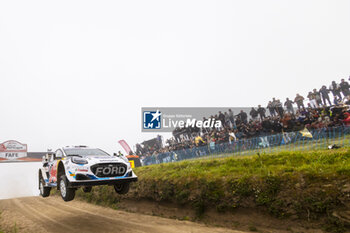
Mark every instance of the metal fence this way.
pixel 289 141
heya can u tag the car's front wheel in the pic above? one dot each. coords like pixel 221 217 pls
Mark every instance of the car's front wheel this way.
pixel 44 191
pixel 67 194
pixel 122 188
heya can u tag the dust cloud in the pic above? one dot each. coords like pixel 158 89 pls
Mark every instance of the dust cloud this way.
pixel 19 179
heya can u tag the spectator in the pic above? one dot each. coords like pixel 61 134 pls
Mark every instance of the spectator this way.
pixel 232 136
pixel 186 139
pixel 230 114
pixel 317 97
pixel 271 109
pixel 336 101
pixel 344 87
pixel 324 93
pixel 222 118
pixel 261 112
pixel 199 141
pixel 312 100
pixel 253 113
pixel 243 117
pixel 335 88
pixel 279 108
pixel 289 105
pixel 274 105
pixel 300 101
pixel 227 120
pixel 346 119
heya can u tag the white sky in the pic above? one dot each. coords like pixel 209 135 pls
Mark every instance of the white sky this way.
pixel 78 72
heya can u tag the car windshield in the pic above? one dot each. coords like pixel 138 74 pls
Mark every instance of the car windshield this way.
pixel 85 152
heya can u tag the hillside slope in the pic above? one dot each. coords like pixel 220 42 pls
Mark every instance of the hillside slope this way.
pixel 311 186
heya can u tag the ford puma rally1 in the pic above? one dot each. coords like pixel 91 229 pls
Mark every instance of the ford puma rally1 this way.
pixel 70 168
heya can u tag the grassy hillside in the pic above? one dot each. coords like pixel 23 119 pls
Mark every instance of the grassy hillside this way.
pixel 312 186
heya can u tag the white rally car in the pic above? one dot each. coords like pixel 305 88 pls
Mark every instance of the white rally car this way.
pixel 79 166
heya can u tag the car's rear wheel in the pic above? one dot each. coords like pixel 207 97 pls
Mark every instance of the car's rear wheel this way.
pixel 87 189
pixel 44 191
pixel 67 193
pixel 122 188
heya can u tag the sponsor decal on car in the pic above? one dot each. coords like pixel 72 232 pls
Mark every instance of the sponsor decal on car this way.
pixel 82 170
pixel 110 170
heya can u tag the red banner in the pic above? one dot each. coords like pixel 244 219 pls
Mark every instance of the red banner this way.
pixel 125 146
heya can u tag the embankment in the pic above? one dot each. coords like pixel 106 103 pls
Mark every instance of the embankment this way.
pixel 311 188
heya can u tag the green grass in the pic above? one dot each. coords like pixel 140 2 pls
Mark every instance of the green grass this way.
pixel 307 184
pixel 319 162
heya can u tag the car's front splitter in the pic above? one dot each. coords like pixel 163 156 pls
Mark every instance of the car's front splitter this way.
pixel 78 184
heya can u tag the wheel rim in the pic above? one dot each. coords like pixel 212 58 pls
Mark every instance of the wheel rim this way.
pixel 41 188
pixel 63 188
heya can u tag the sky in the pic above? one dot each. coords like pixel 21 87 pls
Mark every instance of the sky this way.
pixel 78 72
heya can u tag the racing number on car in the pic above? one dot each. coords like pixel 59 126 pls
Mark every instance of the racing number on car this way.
pixel 132 163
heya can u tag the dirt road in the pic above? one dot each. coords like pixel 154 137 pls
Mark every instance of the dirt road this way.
pixel 36 214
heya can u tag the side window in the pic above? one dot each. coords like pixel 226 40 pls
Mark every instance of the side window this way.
pixel 59 154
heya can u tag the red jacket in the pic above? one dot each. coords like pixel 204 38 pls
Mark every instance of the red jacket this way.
pixel 347 119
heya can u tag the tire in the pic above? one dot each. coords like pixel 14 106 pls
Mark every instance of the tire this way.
pixel 122 188
pixel 67 194
pixel 44 191
pixel 87 189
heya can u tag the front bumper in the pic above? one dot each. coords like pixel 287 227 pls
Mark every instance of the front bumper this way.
pixel 77 184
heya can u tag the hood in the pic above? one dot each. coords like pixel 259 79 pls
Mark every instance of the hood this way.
pixel 104 159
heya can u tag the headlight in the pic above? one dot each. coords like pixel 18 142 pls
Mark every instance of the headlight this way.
pixel 78 160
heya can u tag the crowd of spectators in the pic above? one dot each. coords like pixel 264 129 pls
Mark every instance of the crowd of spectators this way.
pixel 315 112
